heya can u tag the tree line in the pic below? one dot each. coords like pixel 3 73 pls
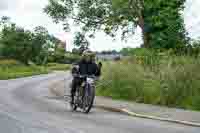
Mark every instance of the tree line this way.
pixel 24 45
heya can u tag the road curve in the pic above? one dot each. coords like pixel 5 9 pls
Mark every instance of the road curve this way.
pixel 25 108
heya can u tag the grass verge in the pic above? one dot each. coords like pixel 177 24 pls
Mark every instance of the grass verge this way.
pixel 172 81
pixel 10 69
pixel 21 71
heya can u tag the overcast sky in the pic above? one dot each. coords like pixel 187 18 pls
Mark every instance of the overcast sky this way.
pixel 29 14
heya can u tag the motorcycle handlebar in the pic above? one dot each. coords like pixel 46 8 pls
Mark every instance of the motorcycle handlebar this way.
pixel 84 76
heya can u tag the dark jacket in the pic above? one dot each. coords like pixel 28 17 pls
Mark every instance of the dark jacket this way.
pixel 87 68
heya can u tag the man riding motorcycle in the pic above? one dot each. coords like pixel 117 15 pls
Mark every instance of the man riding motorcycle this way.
pixel 86 66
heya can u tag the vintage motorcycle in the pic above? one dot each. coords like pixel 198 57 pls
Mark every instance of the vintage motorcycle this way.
pixel 85 94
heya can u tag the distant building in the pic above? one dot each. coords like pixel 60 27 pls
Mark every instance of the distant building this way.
pixel 101 56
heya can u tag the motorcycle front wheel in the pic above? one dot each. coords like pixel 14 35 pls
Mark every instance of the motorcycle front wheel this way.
pixel 88 99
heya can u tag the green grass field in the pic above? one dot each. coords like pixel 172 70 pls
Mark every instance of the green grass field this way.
pixel 10 69
pixel 169 81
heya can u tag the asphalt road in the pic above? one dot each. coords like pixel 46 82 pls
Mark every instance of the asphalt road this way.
pixel 25 108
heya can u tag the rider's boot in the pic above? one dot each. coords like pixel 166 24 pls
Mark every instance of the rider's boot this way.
pixel 72 99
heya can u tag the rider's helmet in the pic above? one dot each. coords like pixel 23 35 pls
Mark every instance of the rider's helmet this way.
pixel 88 55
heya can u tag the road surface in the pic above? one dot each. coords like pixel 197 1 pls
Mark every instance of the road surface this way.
pixel 25 108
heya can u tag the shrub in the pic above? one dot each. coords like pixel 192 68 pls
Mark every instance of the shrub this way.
pixel 56 66
pixel 9 63
pixel 64 58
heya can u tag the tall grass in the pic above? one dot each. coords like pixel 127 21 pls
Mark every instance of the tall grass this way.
pixel 171 81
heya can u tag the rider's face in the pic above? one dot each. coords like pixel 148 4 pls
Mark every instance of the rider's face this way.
pixel 87 59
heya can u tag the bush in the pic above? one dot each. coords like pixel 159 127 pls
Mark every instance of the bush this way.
pixel 56 66
pixel 64 58
pixel 71 58
pixel 9 63
pixel 175 83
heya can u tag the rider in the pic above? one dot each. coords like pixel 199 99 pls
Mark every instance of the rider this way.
pixel 86 66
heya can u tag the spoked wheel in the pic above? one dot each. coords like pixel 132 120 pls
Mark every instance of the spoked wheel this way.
pixel 88 98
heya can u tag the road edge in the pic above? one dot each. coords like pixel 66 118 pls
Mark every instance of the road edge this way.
pixel 124 110
pixel 133 114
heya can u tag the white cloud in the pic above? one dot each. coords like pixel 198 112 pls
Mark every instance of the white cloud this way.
pixel 192 17
pixel 3 5
pixel 29 14
pixel 102 42
pixel 9 4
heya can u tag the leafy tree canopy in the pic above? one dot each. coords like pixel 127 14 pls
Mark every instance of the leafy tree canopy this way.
pixel 161 21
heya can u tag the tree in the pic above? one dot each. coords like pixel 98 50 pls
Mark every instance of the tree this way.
pixel 4 20
pixel 166 26
pixel 81 42
pixel 40 45
pixel 16 42
pixel 55 42
pixel 194 48
pixel 25 45
pixel 80 39
pixel 160 21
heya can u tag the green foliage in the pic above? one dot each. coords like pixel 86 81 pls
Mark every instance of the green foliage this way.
pixel 25 46
pixel 138 51
pixel 194 48
pixel 9 63
pixel 175 83
pixel 40 46
pixel 1 49
pixel 164 22
pixel 10 68
pixel 80 42
pixel 149 58
pixel 56 66
pixel 15 43
pixel 71 58
pixel 60 56
pixel 161 21
pixel 18 72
